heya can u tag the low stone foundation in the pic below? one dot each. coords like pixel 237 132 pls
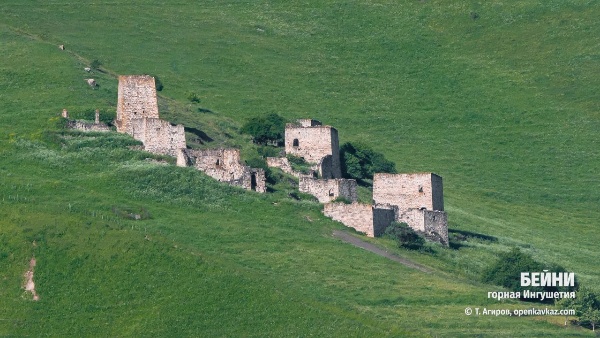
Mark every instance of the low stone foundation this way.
pixel 88 126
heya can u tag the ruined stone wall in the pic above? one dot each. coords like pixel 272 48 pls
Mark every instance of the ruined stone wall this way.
pixel 356 215
pixel 224 165
pixel 88 126
pixel 432 224
pixel 136 100
pixel 159 136
pixel 258 180
pixel 383 216
pixel 282 163
pixel 419 190
pixel 308 123
pixel 313 143
pixel 328 190
pixel 366 218
pixel 436 226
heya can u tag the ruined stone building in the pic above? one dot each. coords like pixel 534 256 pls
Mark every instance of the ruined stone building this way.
pixel 158 136
pixel 415 199
pixel 419 198
pixel 137 115
pixel 82 125
pixel 328 190
pixel 224 165
pixel 417 190
pixel 136 100
pixel 88 126
pixel 317 144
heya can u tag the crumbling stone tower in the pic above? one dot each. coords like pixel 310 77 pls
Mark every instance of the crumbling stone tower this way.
pixel 317 144
pixel 417 190
pixel 419 198
pixel 137 100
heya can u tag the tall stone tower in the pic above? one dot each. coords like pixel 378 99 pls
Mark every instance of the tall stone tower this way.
pixel 317 144
pixel 137 100
pixel 409 191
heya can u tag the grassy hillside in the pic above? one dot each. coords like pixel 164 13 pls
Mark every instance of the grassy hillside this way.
pixel 496 98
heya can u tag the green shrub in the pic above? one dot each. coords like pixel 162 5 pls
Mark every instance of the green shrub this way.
pixel 586 305
pixel 299 164
pixel 95 64
pixel 268 129
pixel 268 151
pixel 341 199
pixel 405 236
pixel 193 97
pixel 361 162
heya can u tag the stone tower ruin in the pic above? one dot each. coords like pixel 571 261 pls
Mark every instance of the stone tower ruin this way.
pixel 419 199
pixel 416 190
pixel 137 115
pixel 137 99
pixel 317 144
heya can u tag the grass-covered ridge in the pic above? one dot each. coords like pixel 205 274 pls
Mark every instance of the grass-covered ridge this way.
pixel 502 104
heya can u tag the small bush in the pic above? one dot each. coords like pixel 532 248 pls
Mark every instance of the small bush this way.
pixel 341 199
pixel 405 236
pixel 299 164
pixel 95 64
pixel 360 162
pixel 193 97
pixel 268 151
pixel 268 129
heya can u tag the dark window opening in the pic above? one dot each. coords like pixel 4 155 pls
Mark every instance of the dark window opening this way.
pixel 420 188
pixel 295 143
pixel 253 182
pixel 330 192
pixel 218 162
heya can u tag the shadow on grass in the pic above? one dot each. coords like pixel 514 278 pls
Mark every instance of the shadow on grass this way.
pixel 199 133
pixel 458 237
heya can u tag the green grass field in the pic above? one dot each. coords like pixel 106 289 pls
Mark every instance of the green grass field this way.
pixel 499 99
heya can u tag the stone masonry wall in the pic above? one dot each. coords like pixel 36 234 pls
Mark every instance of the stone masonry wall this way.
pixel 432 224
pixel 224 165
pixel 88 126
pixel 419 190
pixel 313 143
pixel 383 216
pixel 356 215
pixel 136 100
pixel 366 218
pixel 282 163
pixel 328 190
pixel 159 136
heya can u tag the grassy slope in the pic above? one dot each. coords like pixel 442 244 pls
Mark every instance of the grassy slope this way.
pixel 500 106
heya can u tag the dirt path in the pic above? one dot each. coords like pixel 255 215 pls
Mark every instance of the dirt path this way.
pixel 378 251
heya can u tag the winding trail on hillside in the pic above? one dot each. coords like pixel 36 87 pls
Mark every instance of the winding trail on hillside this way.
pixel 346 237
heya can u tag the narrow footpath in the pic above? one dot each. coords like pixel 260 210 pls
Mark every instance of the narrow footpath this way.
pixel 346 237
